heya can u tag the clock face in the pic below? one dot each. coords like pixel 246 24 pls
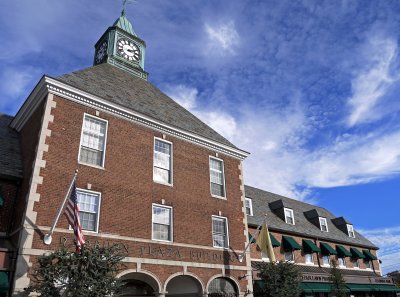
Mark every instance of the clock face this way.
pixel 128 50
pixel 101 52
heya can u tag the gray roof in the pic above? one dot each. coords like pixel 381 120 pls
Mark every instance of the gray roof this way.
pixel 10 152
pixel 261 205
pixel 119 87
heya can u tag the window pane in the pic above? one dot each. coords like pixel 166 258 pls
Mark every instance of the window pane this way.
pixel 220 238
pixel 161 175
pixel 217 190
pixel 93 141
pixel 88 204
pixel 308 258
pixel 161 223
pixel 341 262
pixel 162 162
pixel 289 256
pixel 217 178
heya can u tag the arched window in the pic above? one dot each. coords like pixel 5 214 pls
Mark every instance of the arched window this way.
pixel 222 287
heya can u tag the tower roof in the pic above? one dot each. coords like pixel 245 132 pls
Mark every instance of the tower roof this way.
pixel 123 23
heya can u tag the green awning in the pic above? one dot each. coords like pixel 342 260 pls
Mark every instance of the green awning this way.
pixel 1 201
pixel 326 249
pixel 342 251
pixel 360 287
pixel 316 287
pixel 259 284
pixel 310 247
pixel 386 288
pixel 289 244
pixel 355 253
pixel 369 256
pixel 274 241
pixel 4 285
pixel 251 238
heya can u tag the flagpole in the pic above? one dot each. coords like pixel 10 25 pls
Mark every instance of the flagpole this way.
pixel 247 246
pixel 48 237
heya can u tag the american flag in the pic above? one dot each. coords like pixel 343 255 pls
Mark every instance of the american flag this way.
pixel 72 215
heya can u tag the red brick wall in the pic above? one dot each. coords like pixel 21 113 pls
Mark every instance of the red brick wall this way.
pixel 29 137
pixel 128 191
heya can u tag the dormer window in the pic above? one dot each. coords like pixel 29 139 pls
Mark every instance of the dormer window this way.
pixel 323 224
pixel 249 206
pixel 289 217
pixel 350 231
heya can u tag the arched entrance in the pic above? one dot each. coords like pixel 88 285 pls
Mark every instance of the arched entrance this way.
pixel 184 286
pixel 222 287
pixel 139 284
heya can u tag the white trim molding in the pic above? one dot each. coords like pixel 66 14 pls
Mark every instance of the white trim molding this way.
pixel 29 222
pixel 53 86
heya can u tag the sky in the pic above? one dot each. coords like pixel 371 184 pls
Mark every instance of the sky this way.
pixel 310 88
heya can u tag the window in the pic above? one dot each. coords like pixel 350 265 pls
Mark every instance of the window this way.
pixel 249 206
pixel 217 177
pixel 350 231
pixel 342 262
pixel 162 170
pixel 323 224
pixel 89 208
pixel 162 223
pixel 367 264
pixel 289 256
pixel 326 260
pixel 355 263
pixel 289 217
pixel 220 232
pixel 309 259
pixel 93 141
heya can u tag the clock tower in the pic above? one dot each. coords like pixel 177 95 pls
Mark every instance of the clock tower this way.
pixel 122 48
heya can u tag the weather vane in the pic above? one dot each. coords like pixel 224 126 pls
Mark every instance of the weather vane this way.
pixel 125 3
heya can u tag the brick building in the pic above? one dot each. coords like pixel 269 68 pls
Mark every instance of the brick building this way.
pixel 152 178
pixel 312 237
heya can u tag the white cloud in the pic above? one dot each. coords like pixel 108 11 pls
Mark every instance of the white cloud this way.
pixel 388 240
pixel 223 37
pixel 373 80
pixel 184 95
pixel 276 139
pixel 219 120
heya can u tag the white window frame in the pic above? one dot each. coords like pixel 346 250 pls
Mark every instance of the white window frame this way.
pixel 171 222
pixel 223 176
pixel 227 231
pixel 250 204
pixel 350 230
pixel 322 219
pixel 370 264
pixel 171 161
pixel 291 211
pixel 293 258
pixel 329 260
pixel 356 261
pixel 344 262
pixel 312 259
pixel 105 141
pixel 98 211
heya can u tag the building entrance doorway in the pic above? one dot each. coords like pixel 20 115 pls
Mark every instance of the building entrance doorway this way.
pixel 184 286
pixel 138 284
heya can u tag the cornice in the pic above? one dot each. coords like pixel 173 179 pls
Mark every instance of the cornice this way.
pixel 51 85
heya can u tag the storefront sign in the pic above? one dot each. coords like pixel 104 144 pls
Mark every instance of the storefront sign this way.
pixel 167 252
pixel 316 278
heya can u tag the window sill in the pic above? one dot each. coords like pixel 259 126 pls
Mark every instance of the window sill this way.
pixel 220 247
pixel 164 184
pixel 219 197
pixel 161 240
pixel 91 165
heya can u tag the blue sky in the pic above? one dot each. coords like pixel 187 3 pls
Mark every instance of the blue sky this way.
pixel 310 88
